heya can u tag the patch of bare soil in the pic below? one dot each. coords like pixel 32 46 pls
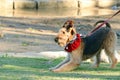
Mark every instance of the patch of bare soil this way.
pixel 37 34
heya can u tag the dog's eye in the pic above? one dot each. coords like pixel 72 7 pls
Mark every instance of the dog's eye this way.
pixel 63 32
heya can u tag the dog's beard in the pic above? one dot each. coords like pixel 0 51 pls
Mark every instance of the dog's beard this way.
pixel 62 42
pixel 62 45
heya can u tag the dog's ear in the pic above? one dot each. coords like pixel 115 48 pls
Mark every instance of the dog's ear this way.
pixel 73 32
pixel 68 24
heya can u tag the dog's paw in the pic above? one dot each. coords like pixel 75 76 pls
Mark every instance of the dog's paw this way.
pixel 55 70
pixel 51 68
pixel 95 66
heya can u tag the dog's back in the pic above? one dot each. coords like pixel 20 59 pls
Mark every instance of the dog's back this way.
pixel 94 41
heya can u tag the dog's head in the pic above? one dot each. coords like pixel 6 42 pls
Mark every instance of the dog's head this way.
pixel 66 33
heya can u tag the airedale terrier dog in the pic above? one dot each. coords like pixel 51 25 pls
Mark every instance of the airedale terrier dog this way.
pixel 80 48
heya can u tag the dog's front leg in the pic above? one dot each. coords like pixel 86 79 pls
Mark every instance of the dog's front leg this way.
pixel 74 62
pixel 67 59
pixel 66 67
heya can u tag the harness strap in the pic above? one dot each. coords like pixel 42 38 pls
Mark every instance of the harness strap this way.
pixel 105 22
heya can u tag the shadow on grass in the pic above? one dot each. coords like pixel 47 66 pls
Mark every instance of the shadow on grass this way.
pixel 24 68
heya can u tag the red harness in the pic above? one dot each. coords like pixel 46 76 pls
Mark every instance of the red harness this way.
pixel 74 45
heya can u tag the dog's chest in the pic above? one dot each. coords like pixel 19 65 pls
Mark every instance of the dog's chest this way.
pixel 94 42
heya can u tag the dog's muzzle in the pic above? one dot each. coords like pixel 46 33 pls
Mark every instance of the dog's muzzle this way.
pixel 60 41
pixel 56 40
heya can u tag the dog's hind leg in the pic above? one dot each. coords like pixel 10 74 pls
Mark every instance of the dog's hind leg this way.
pixel 113 59
pixel 97 59
pixel 109 46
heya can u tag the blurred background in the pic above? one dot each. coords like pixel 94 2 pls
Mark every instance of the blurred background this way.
pixel 38 8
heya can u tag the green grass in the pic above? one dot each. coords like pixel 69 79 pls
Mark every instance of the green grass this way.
pixel 37 69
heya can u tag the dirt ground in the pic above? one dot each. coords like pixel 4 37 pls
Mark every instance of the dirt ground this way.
pixel 37 34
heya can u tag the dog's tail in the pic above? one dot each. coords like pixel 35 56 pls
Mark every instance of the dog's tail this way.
pixel 102 21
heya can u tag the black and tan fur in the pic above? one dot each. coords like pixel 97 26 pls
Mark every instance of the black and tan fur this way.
pixel 103 38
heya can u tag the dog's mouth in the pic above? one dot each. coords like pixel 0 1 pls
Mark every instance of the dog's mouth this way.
pixel 60 44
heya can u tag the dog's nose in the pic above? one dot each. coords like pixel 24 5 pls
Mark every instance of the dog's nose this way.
pixel 56 39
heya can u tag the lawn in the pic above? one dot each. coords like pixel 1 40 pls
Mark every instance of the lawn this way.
pixel 12 68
